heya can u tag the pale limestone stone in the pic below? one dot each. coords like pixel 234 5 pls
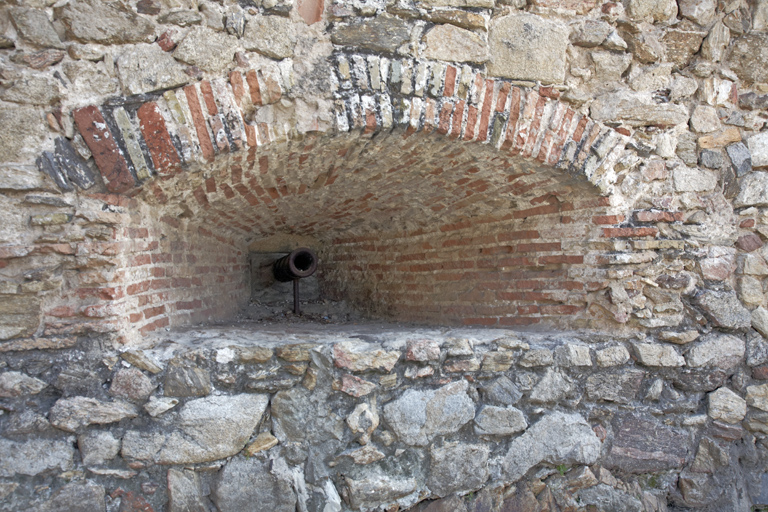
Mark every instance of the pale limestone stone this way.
pixel 370 489
pixel 457 467
pixel 680 338
pixel 612 356
pixel 34 26
pixel 651 78
pixel 747 57
pixel 656 10
pixel 760 321
pixel 418 416
pixel 184 492
pixel 757 396
pixel 72 414
pixel 146 68
pixel 501 421
pixel 527 47
pixel 700 11
pixel 35 89
pixel 537 357
pixel 637 109
pixel 758 147
pixel 451 43
pixel 360 356
pixel 94 21
pixel 571 354
pixel 689 179
pixel 760 16
pixel 34 456
pixel 655 354
pixel 364 420
pixel 717 350
pixel 204 429
pixel 16 384
pixel 704 119
pixel 753 190
pixel 610 66
pixel 158 405
pixel 751 291
pixel 98 447
pixel 552 387
pixel 557 438
pixel 263 441
pixel 714 45
pixel 207 49
pixel 727 406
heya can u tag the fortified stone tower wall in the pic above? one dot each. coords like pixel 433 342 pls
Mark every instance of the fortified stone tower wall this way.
pixel 594 174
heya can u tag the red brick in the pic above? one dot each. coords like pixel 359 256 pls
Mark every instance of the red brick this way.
pixel 549 92
pixel 629 232
pixel 370 121
pixel 469 129
pixel 165 41
pixel 210 102
pixel 238 88
pixel 163 152
pixel 137 288
pixel 607 219
pixel 485 117
pixel 747 223
pixel 155 311
pixel 200 126
pixel 450 81
pixel 578 133
pixel 501 101
pixel 131 502
pixel 749 242
pixel 561 259
pixel 106 154
pixel 537 210
pixel 514 115
pixel 760 372
pixel 658 216
pixel 253 84
pixel 250 135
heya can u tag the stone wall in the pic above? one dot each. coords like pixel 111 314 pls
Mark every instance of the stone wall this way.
pixel 237 419
pixel 596 168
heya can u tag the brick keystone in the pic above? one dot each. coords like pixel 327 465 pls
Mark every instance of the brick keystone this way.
pixel 106 154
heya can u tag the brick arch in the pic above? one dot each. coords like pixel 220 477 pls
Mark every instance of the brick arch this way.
pixel 200 180
pixel 138 139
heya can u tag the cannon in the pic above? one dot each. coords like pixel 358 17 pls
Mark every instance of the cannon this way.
pixel 300 263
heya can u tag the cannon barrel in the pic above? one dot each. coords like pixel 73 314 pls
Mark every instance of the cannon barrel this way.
pixel 301 262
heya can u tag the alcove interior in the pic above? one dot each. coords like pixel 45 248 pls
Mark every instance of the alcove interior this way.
pixel 412 228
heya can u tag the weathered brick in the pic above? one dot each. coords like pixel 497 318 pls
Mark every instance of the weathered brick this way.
pixel 106 154
pixel 164 156
pixel 199 121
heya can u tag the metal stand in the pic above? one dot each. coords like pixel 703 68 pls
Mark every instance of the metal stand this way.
pixel 296 307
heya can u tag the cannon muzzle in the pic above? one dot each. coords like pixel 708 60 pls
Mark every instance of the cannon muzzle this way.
pixel 301 262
